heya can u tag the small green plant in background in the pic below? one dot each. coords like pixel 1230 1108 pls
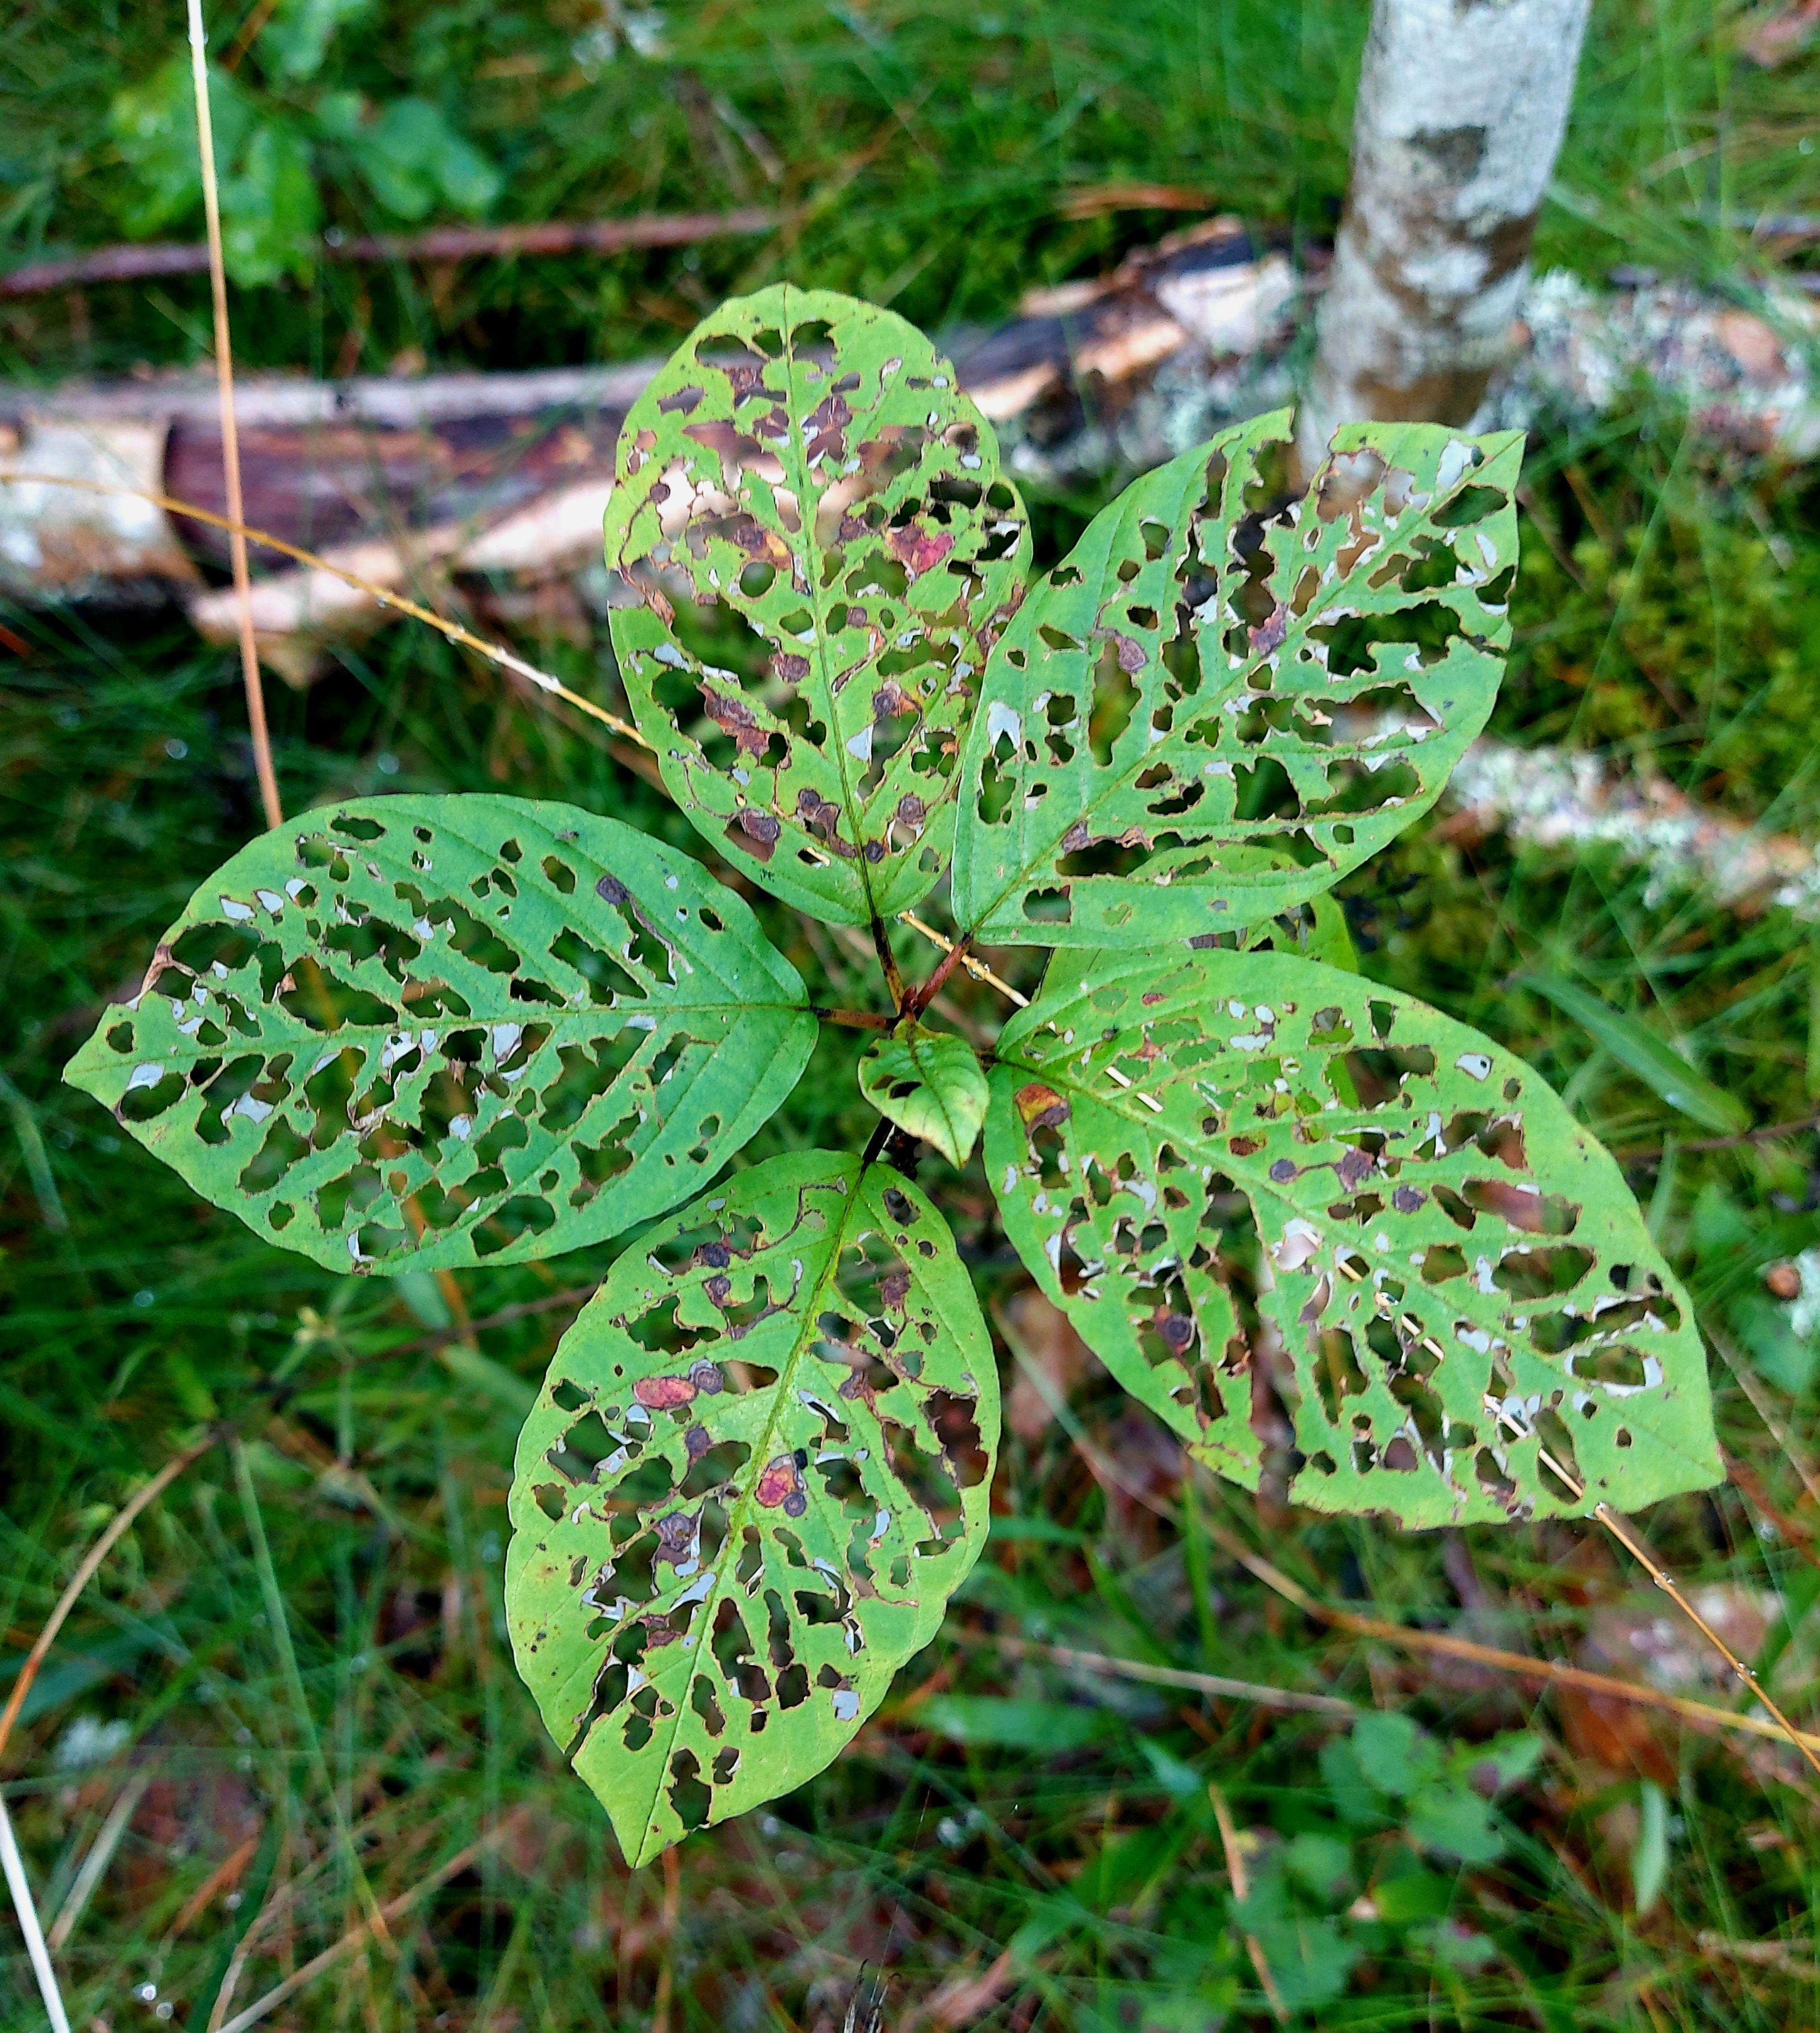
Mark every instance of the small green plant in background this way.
pixel 414 1033
pixel 278 137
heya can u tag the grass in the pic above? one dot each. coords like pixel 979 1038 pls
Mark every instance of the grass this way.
pixel 306 1639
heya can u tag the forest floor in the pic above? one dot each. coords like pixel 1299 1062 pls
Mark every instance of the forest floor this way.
pixel 304 1635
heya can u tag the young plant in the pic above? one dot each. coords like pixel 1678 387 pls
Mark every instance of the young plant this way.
pixel 430 1032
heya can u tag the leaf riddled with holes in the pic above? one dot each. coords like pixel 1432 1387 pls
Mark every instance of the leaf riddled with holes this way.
pixel 429 1031
pixel 1220 1162
pixel 1212 710
pixel 814 517
pixel 758 1469
pixel 929 1084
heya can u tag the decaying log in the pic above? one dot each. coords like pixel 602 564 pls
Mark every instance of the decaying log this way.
pixel 500 475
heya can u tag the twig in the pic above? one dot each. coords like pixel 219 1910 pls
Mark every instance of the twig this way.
pixel 1214 1684
pixel 249 669
pixel 20 1888
pixel 393 1909
pixel 1808 1747
pixel 84 1574
pixel 135 263
pixel 977 968
pixel 454 629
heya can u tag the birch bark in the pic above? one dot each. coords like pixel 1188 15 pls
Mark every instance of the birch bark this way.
pixel 1462 105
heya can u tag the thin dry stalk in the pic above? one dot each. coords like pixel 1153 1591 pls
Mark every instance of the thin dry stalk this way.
pixel 249 668
pixel 122 1522
pixel 1547 1672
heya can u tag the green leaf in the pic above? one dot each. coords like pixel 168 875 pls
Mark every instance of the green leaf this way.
pixel 517 1027
pixel 1453 1820
pixel 758 1469
pixel 271 213
pixel 1202 716
pixel 1639 1050
pixel 295 40
pixel 1194 1151
pixel 929 1084
pixel 154 126
pixel 411 156
pixel 814 517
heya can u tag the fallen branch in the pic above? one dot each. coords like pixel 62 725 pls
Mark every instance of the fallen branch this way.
pixel 442 243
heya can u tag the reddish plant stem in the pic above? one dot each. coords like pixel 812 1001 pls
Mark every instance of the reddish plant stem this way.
pixel 925 993
pixel 853 1019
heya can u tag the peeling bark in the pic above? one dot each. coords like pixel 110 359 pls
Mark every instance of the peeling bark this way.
pixel 1462 104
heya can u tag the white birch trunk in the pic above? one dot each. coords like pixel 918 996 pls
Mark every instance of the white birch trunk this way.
pixel 1462 104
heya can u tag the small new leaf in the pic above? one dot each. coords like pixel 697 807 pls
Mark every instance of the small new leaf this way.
pixel 814 518
pixel 1201 1155
pixel 423 1031
pixel 758 1469
pixel 1212 710
pixel 929 1084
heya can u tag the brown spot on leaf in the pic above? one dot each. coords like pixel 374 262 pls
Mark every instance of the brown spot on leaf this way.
pixel 780 1486
pixel 1041 1107
pixel 1268 634
pixel 918 550
pixel 663 1394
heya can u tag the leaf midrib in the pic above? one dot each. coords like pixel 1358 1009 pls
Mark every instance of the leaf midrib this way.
pixel 737 1517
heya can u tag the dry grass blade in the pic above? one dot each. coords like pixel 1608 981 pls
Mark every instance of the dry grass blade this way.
pixel 393 1909
pixel 121 1523
pixel 100 1855
pixel 249 668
